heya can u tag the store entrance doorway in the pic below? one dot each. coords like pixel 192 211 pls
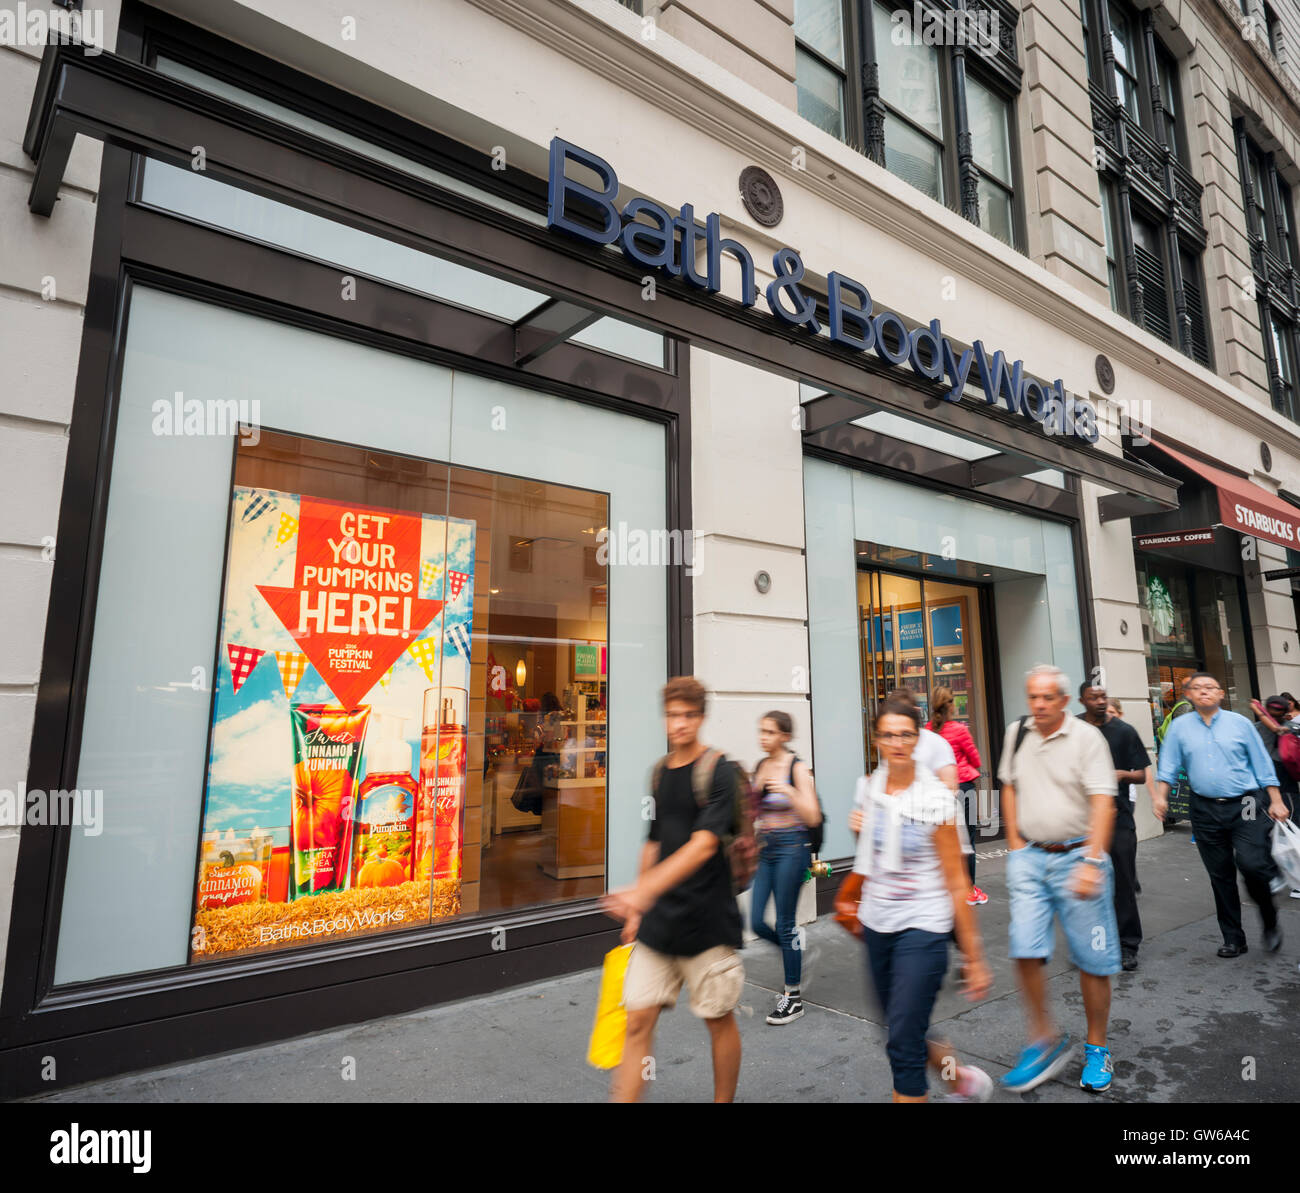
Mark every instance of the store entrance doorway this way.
pixel 923 633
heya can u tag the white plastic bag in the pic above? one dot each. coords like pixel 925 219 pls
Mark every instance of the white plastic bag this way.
pixel 1286 851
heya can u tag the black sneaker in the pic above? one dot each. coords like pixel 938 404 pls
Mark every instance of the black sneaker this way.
pixel 1129 961
pixel 788 1009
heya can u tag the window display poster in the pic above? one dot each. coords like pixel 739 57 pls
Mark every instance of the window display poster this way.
pixel 336 775
pixel 945 626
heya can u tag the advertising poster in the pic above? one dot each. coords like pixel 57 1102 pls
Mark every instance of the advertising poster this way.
pixel 335 794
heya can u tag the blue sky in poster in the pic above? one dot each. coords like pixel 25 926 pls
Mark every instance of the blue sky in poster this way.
pixel 249 770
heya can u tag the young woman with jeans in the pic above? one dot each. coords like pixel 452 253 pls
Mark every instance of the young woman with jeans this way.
pixel 905 897
pixel 787 807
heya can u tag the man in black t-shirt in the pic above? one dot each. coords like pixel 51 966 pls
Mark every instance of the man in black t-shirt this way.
pixel 1131 766
pixel 681 912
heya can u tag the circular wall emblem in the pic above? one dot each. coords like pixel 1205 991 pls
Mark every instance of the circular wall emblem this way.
pixel 1266 457
pixel 762 581
pixel 1161 607
pixel 761 196
pixel 1105 374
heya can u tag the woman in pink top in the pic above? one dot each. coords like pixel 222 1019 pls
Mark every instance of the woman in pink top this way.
pixel 968 771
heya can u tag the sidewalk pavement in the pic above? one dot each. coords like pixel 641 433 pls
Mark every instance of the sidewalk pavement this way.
pixel 1187 1026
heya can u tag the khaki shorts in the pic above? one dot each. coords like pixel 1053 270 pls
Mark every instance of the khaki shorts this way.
pixel 715 978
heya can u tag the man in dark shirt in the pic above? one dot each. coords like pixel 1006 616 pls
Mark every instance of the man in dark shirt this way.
pixel 681 912
pixel 1131 765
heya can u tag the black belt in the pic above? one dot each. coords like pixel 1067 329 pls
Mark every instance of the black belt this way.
pixel 1058 846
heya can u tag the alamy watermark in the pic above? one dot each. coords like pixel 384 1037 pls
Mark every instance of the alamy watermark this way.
pixel 83 809
pixel 624 546
pixel 980 31
pixel 211 416
pixel 38 27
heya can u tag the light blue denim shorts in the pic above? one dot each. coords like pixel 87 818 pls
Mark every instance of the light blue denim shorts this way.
pixel 1039 886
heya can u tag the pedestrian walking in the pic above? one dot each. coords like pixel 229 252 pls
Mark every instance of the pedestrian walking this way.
pixel 932 751
pixel 1232 783
pixel 1129 756
pixel 1278 722
pixel 787 811
pixel 905 898
pixel 957 735
pixel 682 911
pixel 1058 801
pixel 1114 709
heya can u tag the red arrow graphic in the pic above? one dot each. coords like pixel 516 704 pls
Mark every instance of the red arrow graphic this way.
pixel 355 604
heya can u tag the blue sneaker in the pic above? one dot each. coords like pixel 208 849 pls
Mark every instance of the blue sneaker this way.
pixel 1098 1068
pixel 1040 1062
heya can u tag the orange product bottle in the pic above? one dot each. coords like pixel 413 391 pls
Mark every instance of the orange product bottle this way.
pixel 385 818
pixel 440 813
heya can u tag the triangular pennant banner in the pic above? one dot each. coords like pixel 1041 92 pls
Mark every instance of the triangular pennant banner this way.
pixel 293 666
pixel 457 637
pixel 429 574
pixel 386 678
pixel 256 507
pixel 456 581
pixel 288 528
pixel 242 661
pixel 425 652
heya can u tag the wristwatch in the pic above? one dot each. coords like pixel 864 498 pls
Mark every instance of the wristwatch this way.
pixel 1096 861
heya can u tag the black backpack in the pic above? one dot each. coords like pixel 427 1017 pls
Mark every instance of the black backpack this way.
pixel 1021 731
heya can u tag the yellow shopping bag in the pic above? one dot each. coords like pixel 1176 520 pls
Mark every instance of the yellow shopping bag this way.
pixel 610 1028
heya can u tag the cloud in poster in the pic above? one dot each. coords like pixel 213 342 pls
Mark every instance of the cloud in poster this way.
pixel 253 746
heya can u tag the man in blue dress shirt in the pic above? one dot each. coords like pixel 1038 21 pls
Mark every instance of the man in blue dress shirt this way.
pixel 1231 777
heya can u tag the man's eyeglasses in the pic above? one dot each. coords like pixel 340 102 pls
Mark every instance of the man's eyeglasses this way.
pixel 892 737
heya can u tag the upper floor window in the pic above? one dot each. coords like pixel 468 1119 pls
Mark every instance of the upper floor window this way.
pixel 1270 230
pixel 913 98
pixel 1124 42
pixel 819 63
pixel 1270 203
pixel 1144 69
pixel 1150 204
pixel 1274 28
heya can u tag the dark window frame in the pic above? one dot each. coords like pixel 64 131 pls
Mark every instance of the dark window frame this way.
pixel 1142 160
pixel 866 111
pixel 1274 261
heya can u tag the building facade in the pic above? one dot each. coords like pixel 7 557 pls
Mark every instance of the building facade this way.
pixel 398 398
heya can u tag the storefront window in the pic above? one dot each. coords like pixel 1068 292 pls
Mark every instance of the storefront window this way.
pixel 375 610
pixel 358 664
pixel 1191 621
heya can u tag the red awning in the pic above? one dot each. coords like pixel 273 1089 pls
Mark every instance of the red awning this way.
pixel 1243 505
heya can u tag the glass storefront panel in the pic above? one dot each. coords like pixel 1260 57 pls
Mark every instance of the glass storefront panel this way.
pixel 855 520
pixel 1192 620
pixel 922 635
pixel 329 655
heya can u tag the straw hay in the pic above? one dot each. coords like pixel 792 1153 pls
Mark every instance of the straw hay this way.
pixel 331 916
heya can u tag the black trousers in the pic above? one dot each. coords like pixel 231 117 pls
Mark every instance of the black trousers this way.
pixel 1229 841
pixel 971 809
pixel 1123 856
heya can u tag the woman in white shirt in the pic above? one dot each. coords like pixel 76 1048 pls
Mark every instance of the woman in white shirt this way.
pixel 905 897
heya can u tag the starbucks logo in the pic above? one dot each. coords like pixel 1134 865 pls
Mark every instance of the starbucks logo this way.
pixel 1161 607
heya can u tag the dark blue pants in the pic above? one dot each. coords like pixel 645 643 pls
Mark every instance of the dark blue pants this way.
pixel 907 970
pixel 781 864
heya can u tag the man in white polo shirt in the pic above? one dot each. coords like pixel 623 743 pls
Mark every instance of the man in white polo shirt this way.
pixel 1058 801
